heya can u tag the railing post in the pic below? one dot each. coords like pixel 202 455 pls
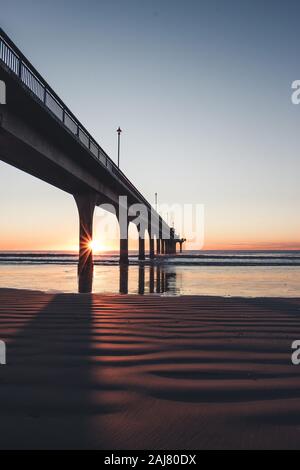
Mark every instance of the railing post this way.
pixel 20 69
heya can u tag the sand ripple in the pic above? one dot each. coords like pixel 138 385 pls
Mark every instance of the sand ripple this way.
pixel 148 372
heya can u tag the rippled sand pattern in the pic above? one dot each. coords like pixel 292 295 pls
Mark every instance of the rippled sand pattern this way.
pixel 110 372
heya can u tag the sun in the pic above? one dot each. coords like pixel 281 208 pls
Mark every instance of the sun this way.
pixel 95 246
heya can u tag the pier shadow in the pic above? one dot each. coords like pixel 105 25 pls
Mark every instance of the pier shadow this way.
pixel 47 389
pixel 281 305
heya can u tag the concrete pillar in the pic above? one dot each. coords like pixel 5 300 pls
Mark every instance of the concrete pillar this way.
pixel 86 205
pixel 153 228
pixel 141 248
pixel 123 223
pixel 124 251
pixel 180 244
pixel 158 246
pixel 141 242
pixel 172 242
pixel 152 252
pixel 163 247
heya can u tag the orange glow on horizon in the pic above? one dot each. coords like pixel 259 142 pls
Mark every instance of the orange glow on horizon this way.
pixel 113 245
pixel 96 247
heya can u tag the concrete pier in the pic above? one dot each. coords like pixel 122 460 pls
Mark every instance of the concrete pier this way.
pixel 51 144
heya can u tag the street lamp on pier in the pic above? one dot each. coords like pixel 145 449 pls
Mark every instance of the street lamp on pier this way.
pixel 119 130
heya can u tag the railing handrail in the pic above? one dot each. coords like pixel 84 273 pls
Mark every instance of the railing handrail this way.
pixel 22 60
pixel 31 67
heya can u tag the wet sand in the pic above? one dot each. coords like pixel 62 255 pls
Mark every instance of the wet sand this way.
pixel 151 372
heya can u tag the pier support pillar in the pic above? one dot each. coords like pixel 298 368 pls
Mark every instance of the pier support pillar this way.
pixel 86 204
pixel 141 247
pixel 163 247
pixel 123 224
pixel 172 242
pixel 124 251
pixel 158 246
pixel 151 248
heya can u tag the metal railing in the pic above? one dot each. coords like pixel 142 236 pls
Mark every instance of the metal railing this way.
pixel 17 63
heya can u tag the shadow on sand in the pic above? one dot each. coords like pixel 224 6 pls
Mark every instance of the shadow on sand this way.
pixel 46 389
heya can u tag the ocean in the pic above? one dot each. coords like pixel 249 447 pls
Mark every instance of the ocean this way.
pixel 219 273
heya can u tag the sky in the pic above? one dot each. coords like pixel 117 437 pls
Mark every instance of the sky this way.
pixel 202 91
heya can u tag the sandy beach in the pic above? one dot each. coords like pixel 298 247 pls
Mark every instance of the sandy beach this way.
pixel 132 372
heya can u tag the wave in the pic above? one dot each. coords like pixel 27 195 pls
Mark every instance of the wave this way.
pixel 189 258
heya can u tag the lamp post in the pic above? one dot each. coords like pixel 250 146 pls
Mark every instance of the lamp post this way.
pixel 119 130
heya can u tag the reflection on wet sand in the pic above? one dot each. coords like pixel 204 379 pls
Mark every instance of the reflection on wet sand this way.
pixel 159 280
pixel 151 279
pixel 124 278
pixel 178 280
pixel 141 281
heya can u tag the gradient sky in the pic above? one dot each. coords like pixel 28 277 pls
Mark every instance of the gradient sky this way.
pixel 202 90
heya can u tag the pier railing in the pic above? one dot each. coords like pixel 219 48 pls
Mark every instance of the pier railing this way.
pixel 17 63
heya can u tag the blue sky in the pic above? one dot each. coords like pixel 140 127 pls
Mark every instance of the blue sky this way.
pixel 202 91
